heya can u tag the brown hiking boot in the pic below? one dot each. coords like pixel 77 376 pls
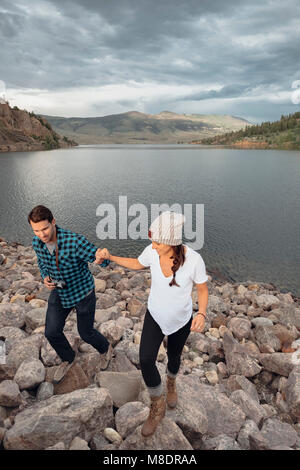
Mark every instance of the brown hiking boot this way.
pixel 157 412
pixel 171 392
pixel 62 370
pixel 106 358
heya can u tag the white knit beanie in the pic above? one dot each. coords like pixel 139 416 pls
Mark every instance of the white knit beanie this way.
pixel 167 228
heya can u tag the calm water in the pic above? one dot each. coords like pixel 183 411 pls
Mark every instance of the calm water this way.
pixel 251 200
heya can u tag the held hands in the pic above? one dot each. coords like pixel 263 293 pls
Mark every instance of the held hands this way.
pixel 101 255
pixel 198 323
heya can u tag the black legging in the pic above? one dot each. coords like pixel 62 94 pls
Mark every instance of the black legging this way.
pixel 151 339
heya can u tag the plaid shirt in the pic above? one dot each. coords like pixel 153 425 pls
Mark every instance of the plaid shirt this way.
pixel 74 253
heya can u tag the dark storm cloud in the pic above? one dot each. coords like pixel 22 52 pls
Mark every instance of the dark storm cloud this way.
pixel 220 49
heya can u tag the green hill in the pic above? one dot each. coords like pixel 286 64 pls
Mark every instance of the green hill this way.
pixel 138 128
pixel 282 134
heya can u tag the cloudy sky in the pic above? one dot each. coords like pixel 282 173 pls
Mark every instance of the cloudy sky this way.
pixel 99 57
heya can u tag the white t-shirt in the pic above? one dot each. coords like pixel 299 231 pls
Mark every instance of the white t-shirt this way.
pixel 172 307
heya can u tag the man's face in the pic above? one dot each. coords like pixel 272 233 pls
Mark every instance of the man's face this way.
pixel 44 229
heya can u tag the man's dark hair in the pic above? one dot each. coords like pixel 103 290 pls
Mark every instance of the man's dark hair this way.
pixel 39 213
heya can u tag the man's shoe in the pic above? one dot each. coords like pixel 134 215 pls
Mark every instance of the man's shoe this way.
pixel 106 358
pixel 157 412
pixel 62 370
pixel 171 392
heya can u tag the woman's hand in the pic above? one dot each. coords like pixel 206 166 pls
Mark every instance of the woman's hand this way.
pixel 198 323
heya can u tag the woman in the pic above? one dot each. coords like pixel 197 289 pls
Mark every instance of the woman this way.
pixel 174 267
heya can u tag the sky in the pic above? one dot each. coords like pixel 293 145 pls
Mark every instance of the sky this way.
pixel 87 58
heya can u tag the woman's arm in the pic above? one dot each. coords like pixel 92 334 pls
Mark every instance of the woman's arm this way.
pixel 130 263
pixel 199 320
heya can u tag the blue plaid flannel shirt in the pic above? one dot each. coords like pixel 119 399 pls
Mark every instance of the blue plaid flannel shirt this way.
pixel 74 253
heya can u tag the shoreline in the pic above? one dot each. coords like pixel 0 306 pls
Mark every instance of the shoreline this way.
pixel 238 382
pixel 216 275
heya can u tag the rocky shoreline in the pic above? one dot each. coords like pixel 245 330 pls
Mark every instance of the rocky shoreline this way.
pixel 238 384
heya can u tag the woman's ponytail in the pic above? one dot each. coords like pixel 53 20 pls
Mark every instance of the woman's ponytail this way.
pixel 179 258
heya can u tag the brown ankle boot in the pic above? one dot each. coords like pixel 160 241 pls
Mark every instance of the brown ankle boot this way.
pixel 157 412
pixel 171 392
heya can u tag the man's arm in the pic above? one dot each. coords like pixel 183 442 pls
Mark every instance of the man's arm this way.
pixel 85 249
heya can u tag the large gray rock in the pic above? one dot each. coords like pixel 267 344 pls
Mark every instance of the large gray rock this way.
pixel 190 413
pixel 221 442
pixel 216 304
pixel 79 444
pixel 240 327
pixel 243 437
pixel 266 339
pixel 250 407
pixel 44 391
pixel 35 318
pixel 6 372
pixel 136 308
pixel 267 301
pixel 123 387
pixel 202 409
pixel 280 363
pixel 12 335
pixel 239 382
pixel 238 359
pixel 10 393
pixel 287 315
pixel 292 392
pixel 277 433
pixel 26 348
pixel 167 436
pixel 81 413
pixel 100 285
pixel 130 416
pixel 12 315
pixel 106 314
pixel 30 373
pixel 137 280
pixel 112 331
pixel 105 301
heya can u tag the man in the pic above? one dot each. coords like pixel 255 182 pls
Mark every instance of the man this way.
pixel 63 256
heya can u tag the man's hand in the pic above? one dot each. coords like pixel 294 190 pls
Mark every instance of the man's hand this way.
pixel 48 283
pixel 198 323
pixel 101 255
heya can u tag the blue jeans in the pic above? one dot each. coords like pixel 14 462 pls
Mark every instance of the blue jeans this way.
pixel 55 321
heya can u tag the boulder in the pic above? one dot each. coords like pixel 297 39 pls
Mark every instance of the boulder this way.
pixel 123 387
pixel 30 373
pixel 80 413
pixel 129 416
pixel 167 436
pixel 237 358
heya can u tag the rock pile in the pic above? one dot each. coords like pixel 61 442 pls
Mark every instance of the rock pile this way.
pixel 238 384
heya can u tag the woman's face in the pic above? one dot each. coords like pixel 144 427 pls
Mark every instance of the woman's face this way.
pixel 162 249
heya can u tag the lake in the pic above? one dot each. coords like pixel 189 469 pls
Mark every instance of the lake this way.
pixel 251 200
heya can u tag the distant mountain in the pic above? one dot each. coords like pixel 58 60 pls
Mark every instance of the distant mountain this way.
pixel 137 128
pixel 282 134
pixel 22 131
